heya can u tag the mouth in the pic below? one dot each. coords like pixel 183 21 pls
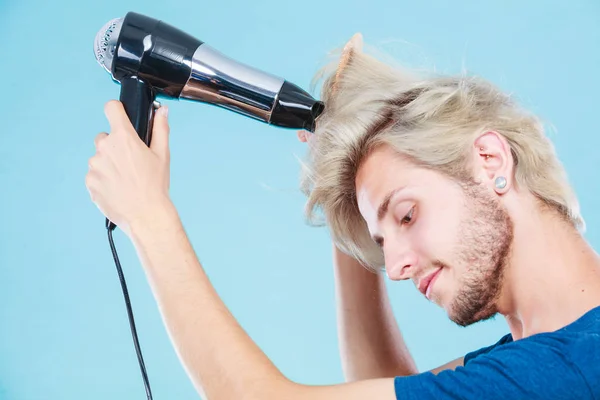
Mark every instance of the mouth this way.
pixel 426 284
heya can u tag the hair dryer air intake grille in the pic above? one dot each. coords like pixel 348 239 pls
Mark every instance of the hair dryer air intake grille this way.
pixel 105 42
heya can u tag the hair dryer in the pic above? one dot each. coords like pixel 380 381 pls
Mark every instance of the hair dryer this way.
pixel 151 59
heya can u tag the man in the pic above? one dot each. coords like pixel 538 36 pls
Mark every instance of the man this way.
pixel 441 180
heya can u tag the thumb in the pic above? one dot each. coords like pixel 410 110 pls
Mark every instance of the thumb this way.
pixel 160 133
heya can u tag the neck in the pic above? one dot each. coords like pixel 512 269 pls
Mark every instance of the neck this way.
pixel 553 276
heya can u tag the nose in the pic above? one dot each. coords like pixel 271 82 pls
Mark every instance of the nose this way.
pixel 400 262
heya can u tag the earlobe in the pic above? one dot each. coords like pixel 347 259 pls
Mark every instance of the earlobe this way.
pixel 500 183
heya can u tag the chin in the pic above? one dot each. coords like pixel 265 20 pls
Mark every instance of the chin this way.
pixel 466 316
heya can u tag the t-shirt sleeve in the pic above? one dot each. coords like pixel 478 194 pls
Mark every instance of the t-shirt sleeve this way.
pixel 528 370
pixel 469 356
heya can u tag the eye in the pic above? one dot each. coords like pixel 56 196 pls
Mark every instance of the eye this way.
pixel 408 217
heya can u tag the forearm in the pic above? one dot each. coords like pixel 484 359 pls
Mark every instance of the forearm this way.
pixel 222 361
pixel 220 358
pixel 371 345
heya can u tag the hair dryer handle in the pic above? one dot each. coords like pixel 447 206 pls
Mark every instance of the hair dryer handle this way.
pixel 138 101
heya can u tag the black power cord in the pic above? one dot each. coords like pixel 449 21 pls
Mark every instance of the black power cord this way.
pixel 130 314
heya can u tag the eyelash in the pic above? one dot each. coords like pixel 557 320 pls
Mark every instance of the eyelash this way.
pixel 410 215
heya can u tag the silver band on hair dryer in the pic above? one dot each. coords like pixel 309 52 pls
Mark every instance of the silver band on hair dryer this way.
pixel 217 79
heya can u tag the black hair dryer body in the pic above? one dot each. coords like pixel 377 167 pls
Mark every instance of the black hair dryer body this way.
pixel 151 59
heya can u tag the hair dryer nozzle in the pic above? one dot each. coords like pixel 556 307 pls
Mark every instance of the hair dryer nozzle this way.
pixel 295 108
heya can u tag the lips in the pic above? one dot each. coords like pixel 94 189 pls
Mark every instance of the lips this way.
pixel 425 283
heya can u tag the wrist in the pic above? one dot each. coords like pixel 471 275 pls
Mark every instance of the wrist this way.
pixel 162 216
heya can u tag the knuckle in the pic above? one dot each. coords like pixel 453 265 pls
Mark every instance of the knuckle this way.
pixel 90 184
pixel 88 181
pixel 93 162
pixel 101 142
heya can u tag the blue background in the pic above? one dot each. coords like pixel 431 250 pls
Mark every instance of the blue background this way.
pixel 64 332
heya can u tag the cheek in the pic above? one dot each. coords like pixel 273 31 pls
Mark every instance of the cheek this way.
pixel 438 237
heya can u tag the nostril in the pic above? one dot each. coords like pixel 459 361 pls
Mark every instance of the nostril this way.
pixel 398 271
pixel 400 261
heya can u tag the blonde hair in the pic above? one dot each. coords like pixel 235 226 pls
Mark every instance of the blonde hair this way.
pixel 431 119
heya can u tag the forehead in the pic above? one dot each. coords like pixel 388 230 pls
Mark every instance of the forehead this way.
pixel 384 171
pixel 379 173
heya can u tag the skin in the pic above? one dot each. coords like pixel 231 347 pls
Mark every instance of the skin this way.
pixel 129 183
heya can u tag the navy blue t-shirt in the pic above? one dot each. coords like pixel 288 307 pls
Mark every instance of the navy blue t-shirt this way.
pixel 564 364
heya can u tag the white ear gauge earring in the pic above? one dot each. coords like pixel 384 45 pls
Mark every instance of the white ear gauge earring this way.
pixel 500 182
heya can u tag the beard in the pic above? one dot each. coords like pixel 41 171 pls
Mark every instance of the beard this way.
pixel 485 236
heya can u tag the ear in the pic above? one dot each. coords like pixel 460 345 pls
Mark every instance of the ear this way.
pixel 353 46
pixel 493 161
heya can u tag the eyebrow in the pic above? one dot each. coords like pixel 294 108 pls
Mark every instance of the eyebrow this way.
pixel 383 207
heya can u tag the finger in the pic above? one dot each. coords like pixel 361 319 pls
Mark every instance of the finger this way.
pixel 160 133
pixel 302 136
pixel 117 117
pixel 99 139
pixel 96 163
pixel 93 185
pixel 101 165
pixel 90 183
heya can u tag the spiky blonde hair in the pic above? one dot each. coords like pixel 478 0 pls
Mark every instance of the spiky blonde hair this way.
pixel 430 119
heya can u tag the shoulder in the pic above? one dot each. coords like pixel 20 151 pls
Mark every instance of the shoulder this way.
pixel 577 342
pixel 484 350
pixel 543 366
